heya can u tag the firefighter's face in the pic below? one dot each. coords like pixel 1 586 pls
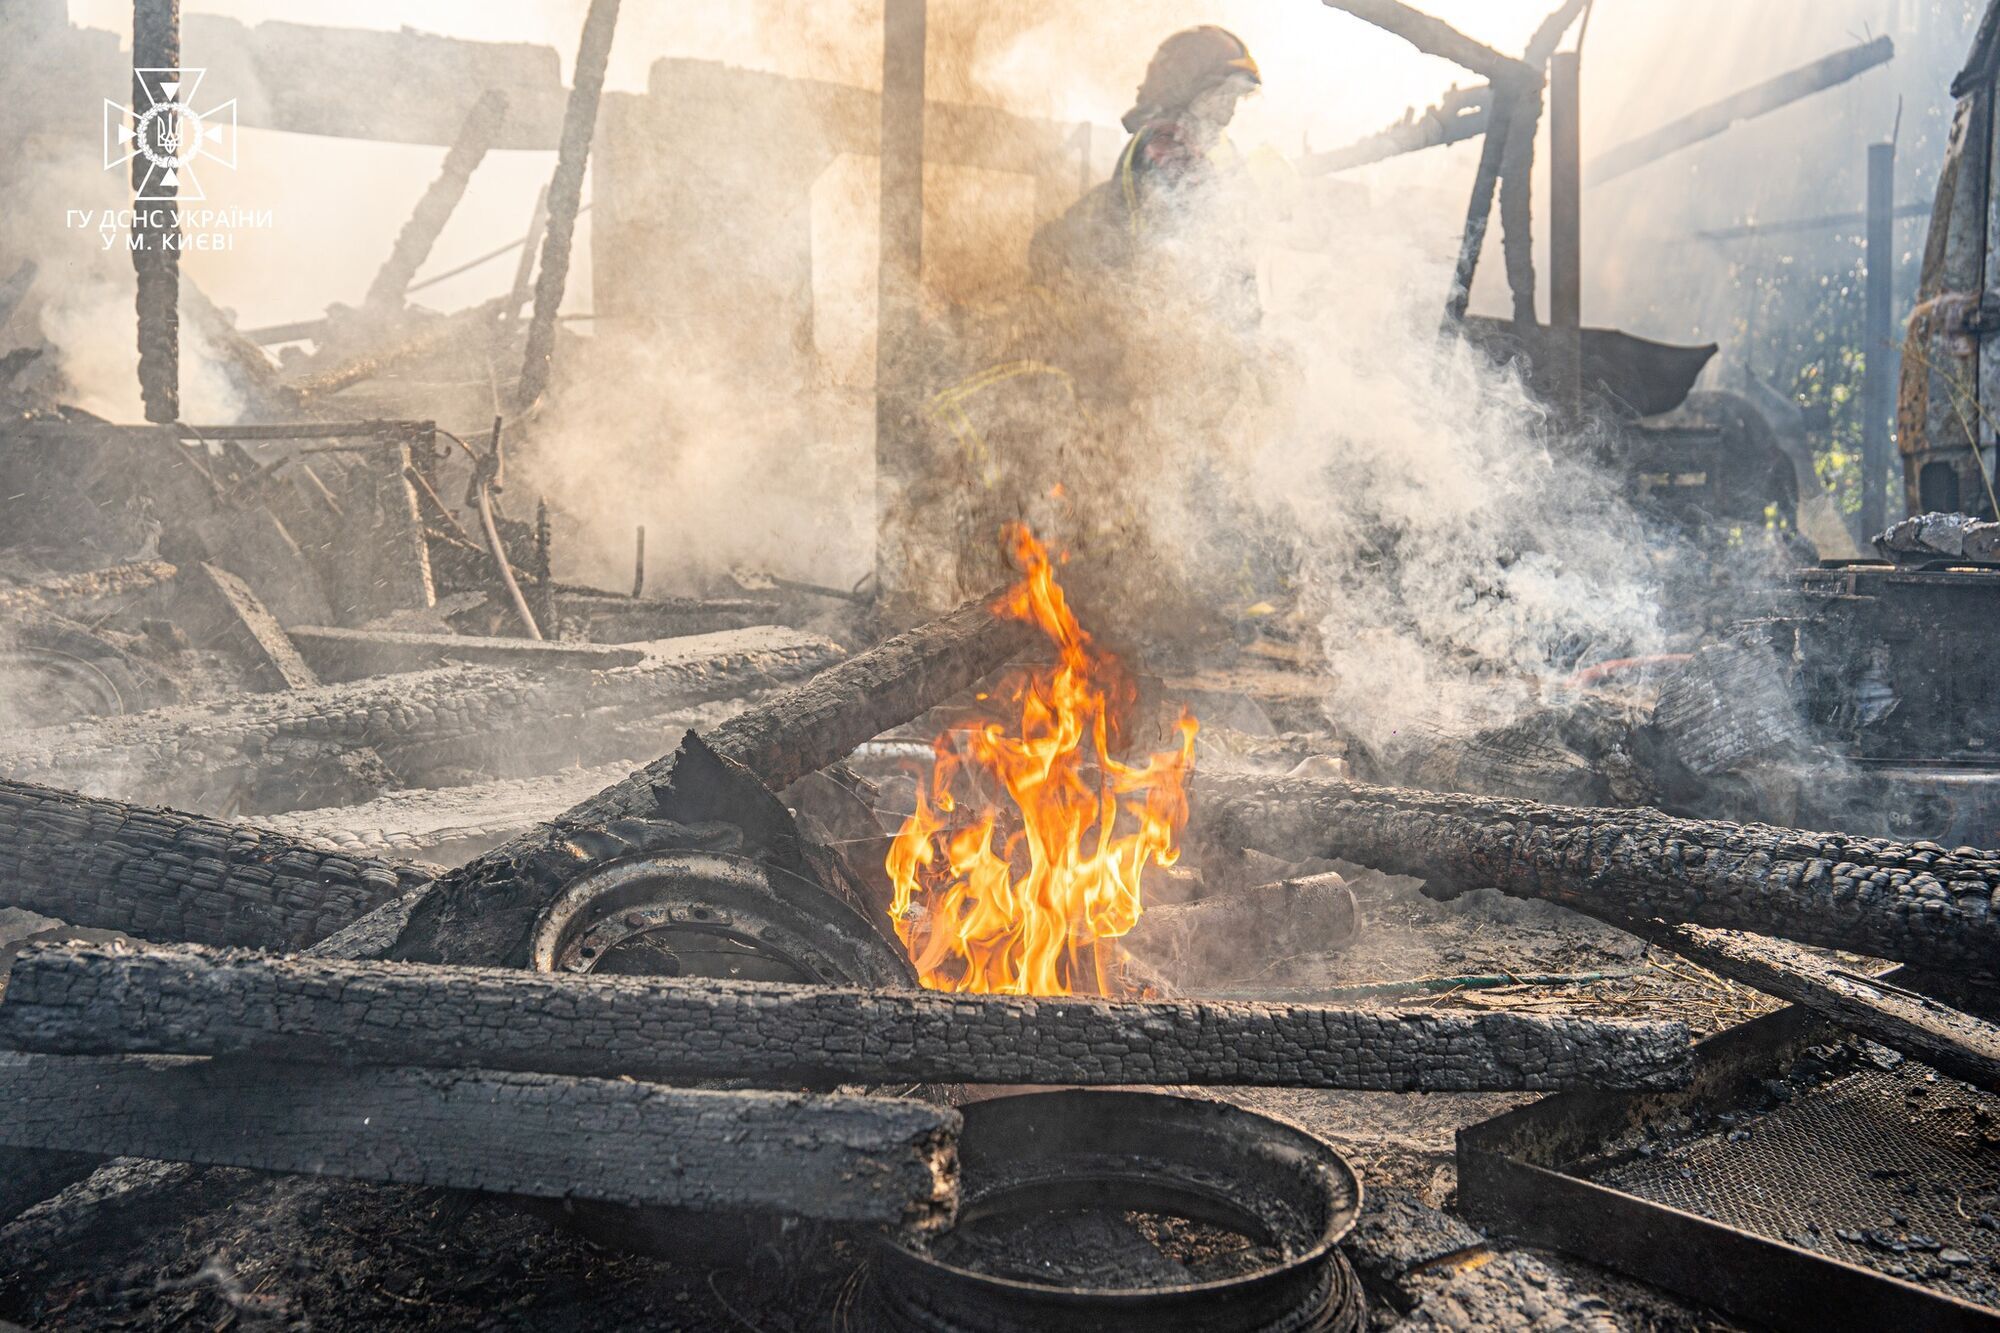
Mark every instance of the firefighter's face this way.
pixel 1217 107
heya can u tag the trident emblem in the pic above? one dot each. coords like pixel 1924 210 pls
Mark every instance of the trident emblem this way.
pixel 169 133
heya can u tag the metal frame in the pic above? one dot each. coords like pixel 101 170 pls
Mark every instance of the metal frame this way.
pixel 1510 1181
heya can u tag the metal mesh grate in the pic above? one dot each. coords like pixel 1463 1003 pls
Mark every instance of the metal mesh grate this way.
pixel 1895 1169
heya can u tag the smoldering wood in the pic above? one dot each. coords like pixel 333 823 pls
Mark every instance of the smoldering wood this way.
pixel 339 654
pixel 440 199
pixel 878 1161
pixel 482 912
pixel 94 1000
pixel 1947 1039
pixel 565 194
pixel 156 255
pixel 1911 902
pixel 1437 38
pixel 1233 933
pixel 1461 114
pixel 164 875
pixel 236 619
pixel 616 619
pixel 1708 121
pixel 280 745
pixel 339 367
pixel 93 590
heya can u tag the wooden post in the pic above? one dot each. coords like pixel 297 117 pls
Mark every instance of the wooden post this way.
pixel 1566 229
pixel 1878 353
pixel 156 255
pixel 899 281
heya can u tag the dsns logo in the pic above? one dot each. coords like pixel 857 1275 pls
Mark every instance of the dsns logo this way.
pixel 167 131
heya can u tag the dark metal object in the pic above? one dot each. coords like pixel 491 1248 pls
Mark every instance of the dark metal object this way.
pixel 156 254
pixel 1760 1253
pixel 702 914
pixel 565 193
pixel 1088 1210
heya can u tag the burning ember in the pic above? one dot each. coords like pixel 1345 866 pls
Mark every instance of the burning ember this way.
pixel 1025 858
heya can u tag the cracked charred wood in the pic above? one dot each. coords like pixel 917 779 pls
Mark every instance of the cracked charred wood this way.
pixel 483 912
pixel 75 594
pixel 1230 933
pixel 163 875
pixel 593 53
pixel 96 1000
pixel 279 747
pixel 156 253
pixel 1920 1026
pixel 350 654
pixel 867 1160
pixel 426 221
pixel 1912 902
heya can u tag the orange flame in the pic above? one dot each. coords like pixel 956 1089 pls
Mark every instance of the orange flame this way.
pixel 1028 916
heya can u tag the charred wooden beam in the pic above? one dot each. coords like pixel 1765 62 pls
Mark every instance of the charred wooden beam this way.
pixel 1461 114
pixel 72 594
pixel 1918 1025
pixel 434 209
pixel 163 875
pixel 1435 37
pixel 482 912
pixel 236 618
pixel 93 1000
pixel 449 714
pixel 156 235
pixel 350 654
pixel 1913 902
pixel 565 194
pixel 1708 121
pixel 867 1160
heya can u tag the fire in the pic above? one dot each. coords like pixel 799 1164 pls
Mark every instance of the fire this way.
pixel 1024 859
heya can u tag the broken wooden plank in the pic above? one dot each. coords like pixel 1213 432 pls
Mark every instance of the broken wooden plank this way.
pixel 349 654
pixel 168 876
pixel 1912 902
pixel 800 731
pixel 868 1160
pixel 84 999
pixel 236 619
pixel 1919 1026
pixel 271 745
pixel 440 199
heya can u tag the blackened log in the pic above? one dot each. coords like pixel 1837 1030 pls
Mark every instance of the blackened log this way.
pixel 565 194
pixel 1918 1025
pixel 434 209
pixel 1230 934
pixel 95 1000
pixel 156 235
pixel 167 876
pixel 446 715
pixel 482 912
pixel 1912 902
pixel 867 1160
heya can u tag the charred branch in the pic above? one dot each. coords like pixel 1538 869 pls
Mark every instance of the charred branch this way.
pixel 1913 902
pixel 427 220
pixel 185 1001
pixel 1437 38
pixel 1461 114
pixel 843 1159
pixel 565 194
